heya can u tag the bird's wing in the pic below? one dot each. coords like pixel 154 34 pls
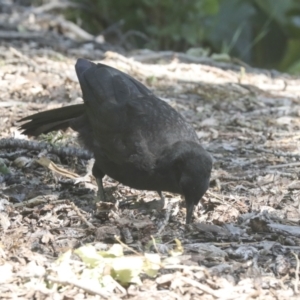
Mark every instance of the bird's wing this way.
pixel 127 119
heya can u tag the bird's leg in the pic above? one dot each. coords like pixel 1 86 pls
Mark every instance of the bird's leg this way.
pixel 99 176
pixel 162 199
pixel 100 192
pixel 189 212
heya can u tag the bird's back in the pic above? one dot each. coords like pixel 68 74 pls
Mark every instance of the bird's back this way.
pixel 127 119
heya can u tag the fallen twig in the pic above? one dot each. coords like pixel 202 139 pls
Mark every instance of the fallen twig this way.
pixel 81 216
pixel 39 146
pixel 166 219
pixel 296 273
pixel 79 284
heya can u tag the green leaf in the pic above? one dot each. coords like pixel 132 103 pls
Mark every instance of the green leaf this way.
pixel 116 250
pixel 294 68
pixel 210 7
pixel 127 269
pixel 3 168
pixel 291 56
pixel 276 9
pixel 89 255
pixel 152 264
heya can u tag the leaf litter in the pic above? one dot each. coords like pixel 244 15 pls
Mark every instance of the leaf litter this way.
pixel 245 241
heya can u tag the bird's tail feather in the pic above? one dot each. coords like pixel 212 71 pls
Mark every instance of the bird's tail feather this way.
pixel 50 120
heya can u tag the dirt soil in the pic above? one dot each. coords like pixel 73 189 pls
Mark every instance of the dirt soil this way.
pixel 243 244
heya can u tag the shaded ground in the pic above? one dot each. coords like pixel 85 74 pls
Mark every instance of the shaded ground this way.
pixel 247 243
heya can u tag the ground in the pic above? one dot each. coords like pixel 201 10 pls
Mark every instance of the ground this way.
pixel 244 245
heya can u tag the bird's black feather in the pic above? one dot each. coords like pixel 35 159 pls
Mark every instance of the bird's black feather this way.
pixel 136 138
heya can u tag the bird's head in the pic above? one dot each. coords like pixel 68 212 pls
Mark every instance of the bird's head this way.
pixel 192 165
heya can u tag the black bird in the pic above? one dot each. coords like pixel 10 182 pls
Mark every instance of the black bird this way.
pixel 137 138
